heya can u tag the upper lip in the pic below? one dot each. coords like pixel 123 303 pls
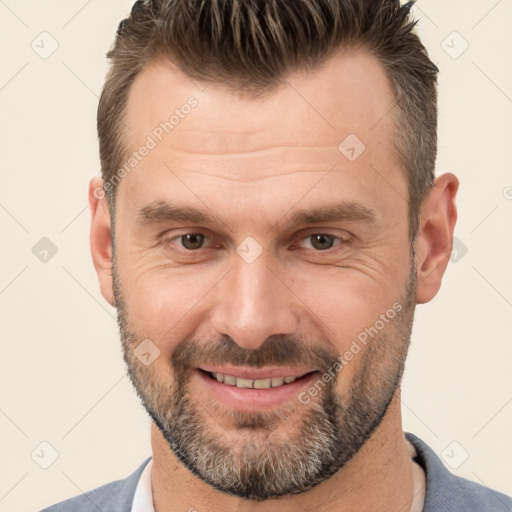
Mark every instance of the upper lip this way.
pixel 257 374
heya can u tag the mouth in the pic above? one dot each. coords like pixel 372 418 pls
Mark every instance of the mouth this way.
pixel 256 383
pixel 247 389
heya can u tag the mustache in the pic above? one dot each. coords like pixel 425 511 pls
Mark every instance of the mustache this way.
pixel 276 350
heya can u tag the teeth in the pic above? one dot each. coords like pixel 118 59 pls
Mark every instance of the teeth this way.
pixel 277 381
pixel 250 383
pixel 244 383
pixel 262 383
pixel 228 379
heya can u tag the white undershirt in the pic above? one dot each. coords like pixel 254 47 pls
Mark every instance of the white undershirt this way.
pixel 143 498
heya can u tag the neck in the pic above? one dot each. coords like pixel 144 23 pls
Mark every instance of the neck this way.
pixel 379 477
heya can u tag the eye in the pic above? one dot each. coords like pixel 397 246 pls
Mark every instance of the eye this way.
pixel 190 245
pixel 192 241
pixel 322 241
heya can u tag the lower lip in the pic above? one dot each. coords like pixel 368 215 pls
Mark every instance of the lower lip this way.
pixel 250 399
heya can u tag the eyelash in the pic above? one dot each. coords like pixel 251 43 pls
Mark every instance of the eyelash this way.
pixel 341 241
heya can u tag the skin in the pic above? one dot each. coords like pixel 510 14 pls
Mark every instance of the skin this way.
pixel 251 163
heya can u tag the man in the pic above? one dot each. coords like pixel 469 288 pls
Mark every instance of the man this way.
pixel 266 222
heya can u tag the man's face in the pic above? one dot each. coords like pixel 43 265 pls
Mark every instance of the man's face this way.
pixel 300 257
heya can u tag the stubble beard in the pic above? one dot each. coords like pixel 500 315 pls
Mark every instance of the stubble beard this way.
pixel 266 455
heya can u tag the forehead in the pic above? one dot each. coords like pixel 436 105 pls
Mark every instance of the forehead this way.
pixel 349 91
pixel 337 117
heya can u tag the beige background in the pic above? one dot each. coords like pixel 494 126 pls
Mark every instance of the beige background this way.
pixel 62 378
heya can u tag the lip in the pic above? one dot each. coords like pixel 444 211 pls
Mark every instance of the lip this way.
pixel 249 399
pixel 255 374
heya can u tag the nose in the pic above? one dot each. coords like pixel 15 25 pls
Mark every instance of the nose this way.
pixel 253 303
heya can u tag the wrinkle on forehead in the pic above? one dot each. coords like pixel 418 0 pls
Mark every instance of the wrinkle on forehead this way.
pixel 240 179
pixel 253 165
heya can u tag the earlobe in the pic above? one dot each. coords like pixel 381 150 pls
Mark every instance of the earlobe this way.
pixel 435 237
pixel 101 238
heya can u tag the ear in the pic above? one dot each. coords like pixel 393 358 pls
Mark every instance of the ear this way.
pixel 101 238
pixel 435 236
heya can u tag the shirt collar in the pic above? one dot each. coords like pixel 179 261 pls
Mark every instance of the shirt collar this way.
pixel 143 497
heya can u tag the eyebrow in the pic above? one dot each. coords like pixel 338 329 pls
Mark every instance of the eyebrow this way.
pixel 160 211
pixel 348 211
pixel 344 211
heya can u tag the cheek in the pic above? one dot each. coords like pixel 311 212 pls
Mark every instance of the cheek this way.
pixel 167 306
pixel 346 301
pixel 350 309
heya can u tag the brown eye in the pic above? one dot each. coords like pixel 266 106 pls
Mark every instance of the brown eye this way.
pixel 322 241
pixel 192 241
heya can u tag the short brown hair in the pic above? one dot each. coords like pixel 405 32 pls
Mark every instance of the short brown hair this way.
pixel 251 46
